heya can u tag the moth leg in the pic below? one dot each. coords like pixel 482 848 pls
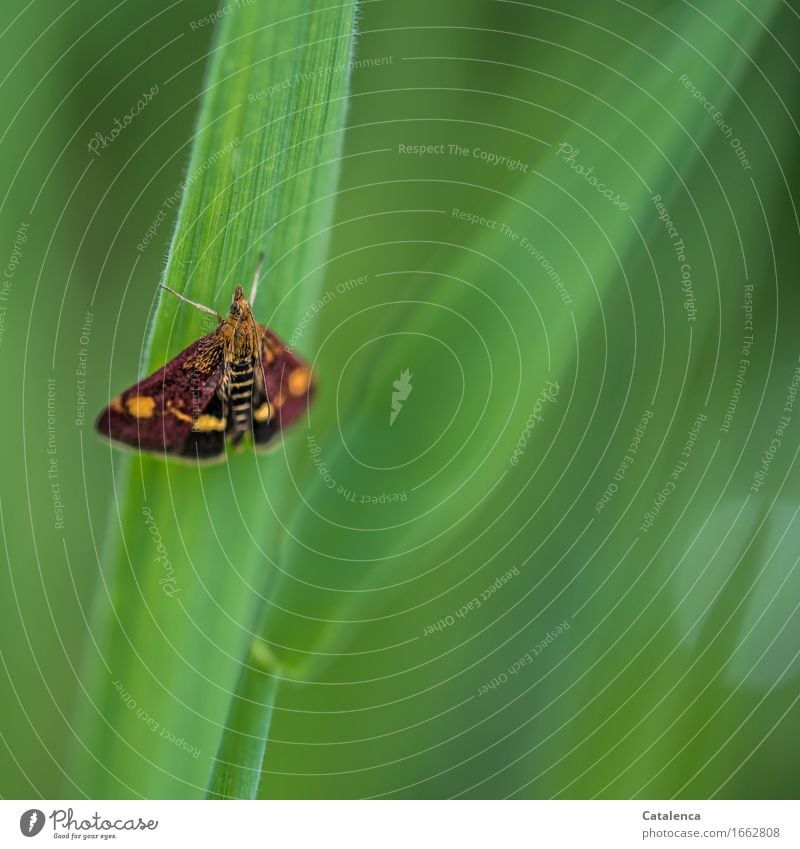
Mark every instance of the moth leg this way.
pixel 193 303
pixel 260 382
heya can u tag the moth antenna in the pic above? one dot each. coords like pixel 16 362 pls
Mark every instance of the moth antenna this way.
pixel 193 303
pixel 259 267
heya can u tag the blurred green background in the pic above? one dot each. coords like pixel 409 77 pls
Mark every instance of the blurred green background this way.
pixel 599 446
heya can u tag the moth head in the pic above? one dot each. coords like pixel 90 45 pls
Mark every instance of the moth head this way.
pixel 239 307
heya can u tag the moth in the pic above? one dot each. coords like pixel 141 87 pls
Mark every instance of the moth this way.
pixel 239 380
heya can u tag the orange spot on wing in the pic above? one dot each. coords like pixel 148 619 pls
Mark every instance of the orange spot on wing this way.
pixel 263 413
pixel 178 414
pixel 207 422
pixel 141 406
pixel 299 380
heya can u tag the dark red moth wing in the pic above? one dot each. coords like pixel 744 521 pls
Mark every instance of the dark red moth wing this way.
pixel 206 441
pixel 158 413
pixel 290 387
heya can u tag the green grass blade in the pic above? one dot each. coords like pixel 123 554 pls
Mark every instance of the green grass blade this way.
pixel 183 562
pixel 241 753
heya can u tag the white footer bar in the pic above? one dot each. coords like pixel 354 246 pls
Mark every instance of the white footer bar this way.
pixel 402 824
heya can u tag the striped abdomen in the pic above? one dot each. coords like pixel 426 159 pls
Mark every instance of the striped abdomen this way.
pixel 240 396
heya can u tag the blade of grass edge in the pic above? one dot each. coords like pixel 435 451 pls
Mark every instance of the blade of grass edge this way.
pixel 237 769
